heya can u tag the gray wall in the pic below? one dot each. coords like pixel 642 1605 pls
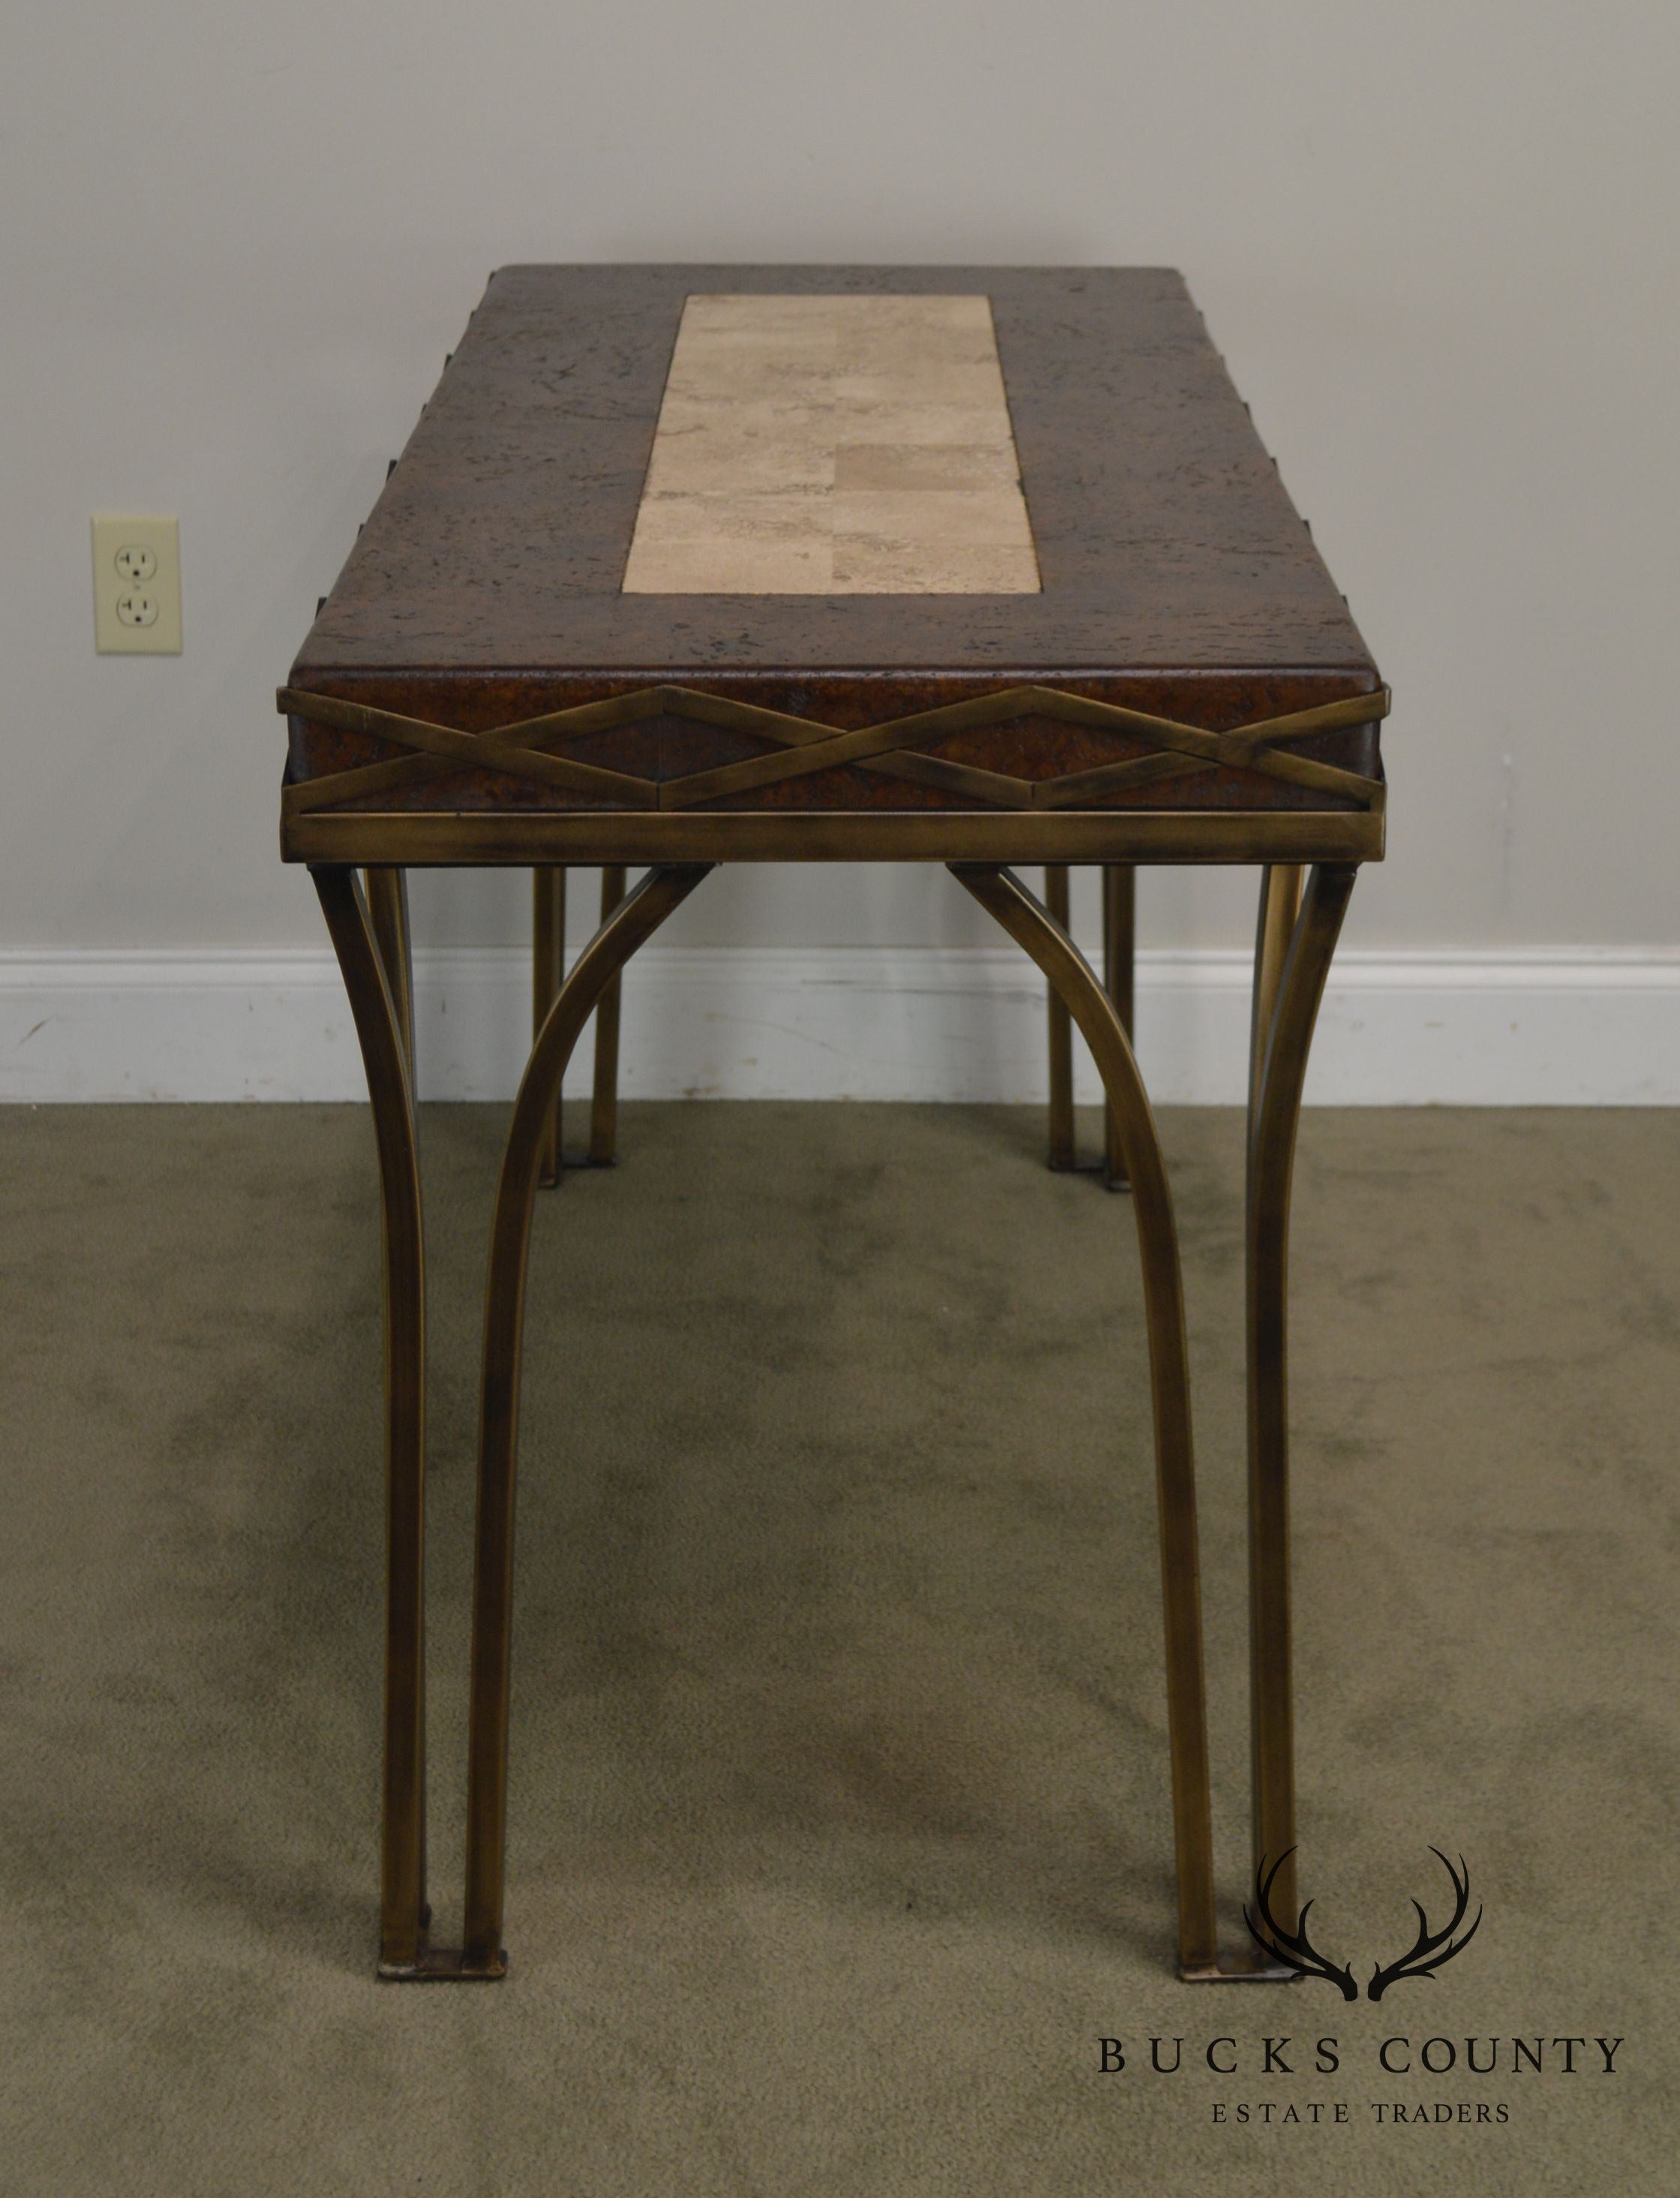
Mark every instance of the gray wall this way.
pixel 1436 242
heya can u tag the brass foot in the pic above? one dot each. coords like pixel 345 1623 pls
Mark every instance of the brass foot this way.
pixel 1101 1168
pixel 1245 1967
pixel 440 1965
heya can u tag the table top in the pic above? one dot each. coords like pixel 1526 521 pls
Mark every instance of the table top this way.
pixel 673 543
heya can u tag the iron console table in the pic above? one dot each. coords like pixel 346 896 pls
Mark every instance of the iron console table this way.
pixel 685 565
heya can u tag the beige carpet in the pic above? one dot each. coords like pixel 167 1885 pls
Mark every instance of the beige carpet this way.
pixel 839 1809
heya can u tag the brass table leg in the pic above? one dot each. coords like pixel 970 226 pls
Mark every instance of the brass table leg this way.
pixel 387 896
pixel 403 1913
pixel 1119 933
pixel 1297 935
pixel 604 1105
pixel 1119 960
pixel 548 968
pixel 1061 1153
pixel 631 921
pixel 1076 985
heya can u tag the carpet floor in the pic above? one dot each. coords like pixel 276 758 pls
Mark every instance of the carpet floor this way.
pixel 839 1837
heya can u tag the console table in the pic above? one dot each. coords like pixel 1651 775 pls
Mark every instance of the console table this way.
pixel 692 565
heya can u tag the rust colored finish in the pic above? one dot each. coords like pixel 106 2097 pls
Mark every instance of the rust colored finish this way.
pixel 1030 748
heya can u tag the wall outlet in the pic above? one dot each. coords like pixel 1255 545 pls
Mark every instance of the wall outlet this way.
pixel 137 584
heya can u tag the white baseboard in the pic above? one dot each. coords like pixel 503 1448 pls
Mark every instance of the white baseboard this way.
pixel 1536 1028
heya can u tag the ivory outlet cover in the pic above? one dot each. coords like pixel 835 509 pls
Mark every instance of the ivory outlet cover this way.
pixel 136 583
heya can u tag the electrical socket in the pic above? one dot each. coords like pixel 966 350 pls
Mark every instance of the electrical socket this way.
pixel 136 583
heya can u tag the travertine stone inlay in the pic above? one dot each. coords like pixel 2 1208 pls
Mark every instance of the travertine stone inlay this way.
pixel 834 445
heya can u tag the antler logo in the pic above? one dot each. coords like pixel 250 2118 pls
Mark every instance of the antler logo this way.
pixel 1296 1951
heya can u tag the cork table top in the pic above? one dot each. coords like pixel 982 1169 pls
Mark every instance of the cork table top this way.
pixel 919 542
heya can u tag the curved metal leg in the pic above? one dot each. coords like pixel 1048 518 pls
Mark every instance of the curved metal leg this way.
pixel 1002 892
pixel 548 968
pixel 1280 905
pixel 1298 932
pixel 1119 933
pixel 604 1105
pixel 631 921
pixel 387 892
pixel 404 1915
